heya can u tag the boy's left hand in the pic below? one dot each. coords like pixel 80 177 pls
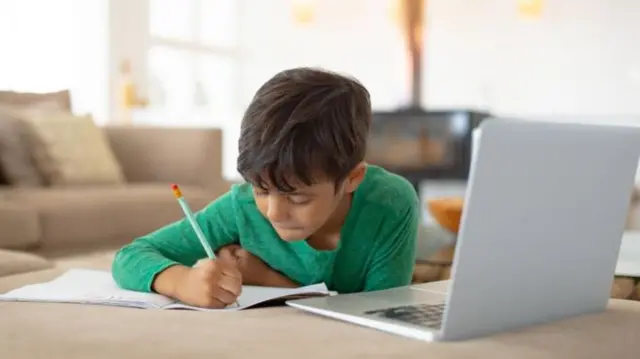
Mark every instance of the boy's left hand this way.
pixel 254 271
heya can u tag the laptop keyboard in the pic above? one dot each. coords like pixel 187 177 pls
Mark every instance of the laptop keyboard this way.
pixel 426 315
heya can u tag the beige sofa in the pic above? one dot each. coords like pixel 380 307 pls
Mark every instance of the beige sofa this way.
pixel 41 227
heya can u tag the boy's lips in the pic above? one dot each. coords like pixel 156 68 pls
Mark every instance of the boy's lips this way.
pixel 288 228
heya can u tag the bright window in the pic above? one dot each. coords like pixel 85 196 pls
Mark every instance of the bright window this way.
pixel 192 61
pixel 52 45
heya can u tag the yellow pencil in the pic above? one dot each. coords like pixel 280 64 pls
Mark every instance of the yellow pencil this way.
pixel 192 220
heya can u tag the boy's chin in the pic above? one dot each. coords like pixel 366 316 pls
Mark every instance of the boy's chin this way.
pixel 292 235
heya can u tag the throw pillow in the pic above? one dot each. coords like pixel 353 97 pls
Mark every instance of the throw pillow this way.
pixel 71 150
pixel 16 162
pixel 3 178
pixel 17 166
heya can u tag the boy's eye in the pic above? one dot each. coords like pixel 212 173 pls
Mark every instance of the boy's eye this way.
pixel 258 193
pixel 299 200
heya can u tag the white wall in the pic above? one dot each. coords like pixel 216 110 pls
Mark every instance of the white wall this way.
pixel 580 58
pixel 62 45
pixel 355 36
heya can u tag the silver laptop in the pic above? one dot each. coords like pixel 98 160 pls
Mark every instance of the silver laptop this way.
pixel 541 229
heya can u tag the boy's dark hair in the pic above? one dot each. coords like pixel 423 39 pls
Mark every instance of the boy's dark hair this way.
pixel 304 125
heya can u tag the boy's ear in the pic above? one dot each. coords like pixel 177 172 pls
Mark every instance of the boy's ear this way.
pixel 355 177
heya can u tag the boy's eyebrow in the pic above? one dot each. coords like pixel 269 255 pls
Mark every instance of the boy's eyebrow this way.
pixel 300 193
pixel 292 193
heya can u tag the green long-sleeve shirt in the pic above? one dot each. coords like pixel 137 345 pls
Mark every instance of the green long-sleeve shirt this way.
pixel 376 249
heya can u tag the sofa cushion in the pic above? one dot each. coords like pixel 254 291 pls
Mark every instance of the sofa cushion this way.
pixel 19 224
pixel 15 151
pixel 59 99
pixel 71 149
pixel 84 217
pixel 99 260
pixel 44 330
pixel 18 167
pixel 14 262
pixel 3 179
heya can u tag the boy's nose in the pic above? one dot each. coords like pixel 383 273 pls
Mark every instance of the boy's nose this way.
pixel 276 211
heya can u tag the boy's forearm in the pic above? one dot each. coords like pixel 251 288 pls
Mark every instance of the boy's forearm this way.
pixel 136 266
pixel 166 281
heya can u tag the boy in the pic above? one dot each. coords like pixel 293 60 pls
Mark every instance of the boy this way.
pixel 311 211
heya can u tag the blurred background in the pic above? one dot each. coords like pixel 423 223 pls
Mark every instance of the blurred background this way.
pixel 153 91
pixel 435 68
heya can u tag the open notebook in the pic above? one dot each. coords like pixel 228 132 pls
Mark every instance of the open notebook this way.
pixel 84 286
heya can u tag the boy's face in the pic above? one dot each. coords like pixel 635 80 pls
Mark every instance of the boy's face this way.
pixel 298 215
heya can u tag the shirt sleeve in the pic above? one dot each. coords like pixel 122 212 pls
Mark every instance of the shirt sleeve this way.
pixel 136 265
pixel 393 261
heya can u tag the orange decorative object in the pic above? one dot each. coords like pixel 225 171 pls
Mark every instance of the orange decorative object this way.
pixel 447 212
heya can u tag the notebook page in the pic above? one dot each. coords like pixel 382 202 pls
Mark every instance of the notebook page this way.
pixel 252 295
pixel 87 287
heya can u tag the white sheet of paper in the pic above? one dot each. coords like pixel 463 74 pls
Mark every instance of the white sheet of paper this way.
pixel 252 295
pixel 85 286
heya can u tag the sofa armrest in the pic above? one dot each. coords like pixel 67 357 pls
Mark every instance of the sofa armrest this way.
pixel 180 155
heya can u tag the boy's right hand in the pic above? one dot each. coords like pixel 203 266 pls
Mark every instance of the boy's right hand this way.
pixel 210 284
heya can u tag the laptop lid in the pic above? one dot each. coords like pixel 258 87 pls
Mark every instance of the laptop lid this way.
pixel 541 229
